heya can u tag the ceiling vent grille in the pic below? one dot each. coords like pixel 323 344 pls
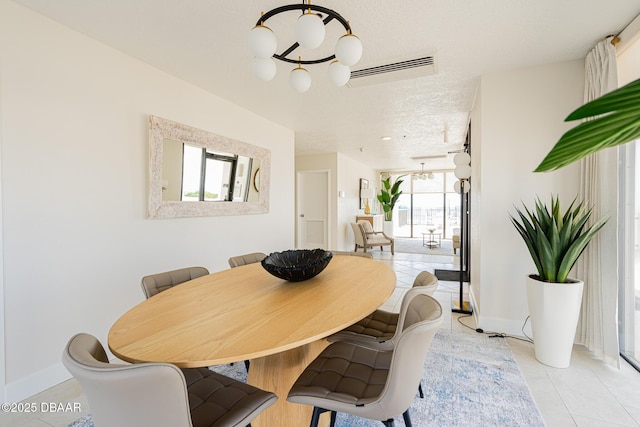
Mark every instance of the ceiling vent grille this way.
pixel 411 69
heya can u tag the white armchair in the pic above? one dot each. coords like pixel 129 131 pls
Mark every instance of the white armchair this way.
pixel 366 237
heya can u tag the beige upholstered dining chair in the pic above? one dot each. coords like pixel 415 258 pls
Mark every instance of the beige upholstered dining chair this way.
pixel 371 383
pixel 159 394
pixel 156 283
pixel 366 237
pixel 240 260
pixel 237 261
pixel 381 328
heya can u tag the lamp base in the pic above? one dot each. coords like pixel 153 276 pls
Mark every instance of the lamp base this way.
pixel 466 307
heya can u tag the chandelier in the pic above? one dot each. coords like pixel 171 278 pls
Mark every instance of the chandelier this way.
pixel 309 33
pixel 422 175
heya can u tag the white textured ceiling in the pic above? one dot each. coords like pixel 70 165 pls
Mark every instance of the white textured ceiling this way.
pixel 204 42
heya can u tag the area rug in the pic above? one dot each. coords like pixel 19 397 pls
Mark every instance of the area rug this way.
pixel 415 246
pixel 470 379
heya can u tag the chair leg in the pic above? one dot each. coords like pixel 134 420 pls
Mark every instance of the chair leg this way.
pixel 420 390
pixel 407 418
pixel 389 422
pixel 333 419
pixel 247 363
pixel 315 416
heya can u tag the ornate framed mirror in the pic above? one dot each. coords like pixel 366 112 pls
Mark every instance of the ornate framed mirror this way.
pixel 193 172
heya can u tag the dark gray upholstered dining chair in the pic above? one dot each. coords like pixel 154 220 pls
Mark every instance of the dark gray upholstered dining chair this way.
pixel 371 383
pixel 237 261
pixel 156 283
pixel 159 394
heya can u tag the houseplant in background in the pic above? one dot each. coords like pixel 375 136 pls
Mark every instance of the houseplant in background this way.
pixel 555 242
pixel 389 194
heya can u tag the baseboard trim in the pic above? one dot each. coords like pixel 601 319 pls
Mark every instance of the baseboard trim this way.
pixel 36 382
pixel 503 326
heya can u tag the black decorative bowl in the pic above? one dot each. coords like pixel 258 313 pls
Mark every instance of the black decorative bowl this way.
pixel 297 265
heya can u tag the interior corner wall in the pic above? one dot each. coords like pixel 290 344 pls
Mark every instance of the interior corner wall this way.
pixel 521 116
pixel 76 238
pixel 350 172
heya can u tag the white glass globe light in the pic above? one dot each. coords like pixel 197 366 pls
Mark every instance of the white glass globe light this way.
pixel 264 68
pixel 338 74
pixel 310 30
pixel 348 49
pixel 262 42
pixel 462 159
pixel 457 187
pixel 462 171
pixel 299 79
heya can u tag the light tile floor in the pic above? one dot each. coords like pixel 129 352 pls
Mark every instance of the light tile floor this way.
pixel 588 393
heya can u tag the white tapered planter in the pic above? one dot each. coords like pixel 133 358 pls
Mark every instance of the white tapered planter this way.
pixel 554 310
pixel 387 228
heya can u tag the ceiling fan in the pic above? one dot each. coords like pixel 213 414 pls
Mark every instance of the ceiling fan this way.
pixel 423 175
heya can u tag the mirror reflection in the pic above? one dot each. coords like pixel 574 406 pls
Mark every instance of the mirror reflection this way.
pixel 198 173
pixel 192 173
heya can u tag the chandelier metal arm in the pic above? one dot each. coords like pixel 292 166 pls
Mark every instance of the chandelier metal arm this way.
pixel 330 12
pixel 331 15
pixel 303 62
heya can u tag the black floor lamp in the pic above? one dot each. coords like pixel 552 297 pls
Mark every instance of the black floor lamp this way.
pixel 463 173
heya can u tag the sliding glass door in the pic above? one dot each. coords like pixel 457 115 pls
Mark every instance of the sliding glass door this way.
pixel 629 292
pixel 426 205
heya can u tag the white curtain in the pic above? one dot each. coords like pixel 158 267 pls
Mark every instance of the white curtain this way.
pixel 598 266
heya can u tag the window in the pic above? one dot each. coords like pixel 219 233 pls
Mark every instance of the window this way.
pixel 207 176
pixel 425 203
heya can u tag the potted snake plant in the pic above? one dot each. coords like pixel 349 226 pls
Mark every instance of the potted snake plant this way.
pixel 555 241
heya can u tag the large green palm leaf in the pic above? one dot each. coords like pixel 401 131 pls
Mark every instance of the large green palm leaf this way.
pixel 618 122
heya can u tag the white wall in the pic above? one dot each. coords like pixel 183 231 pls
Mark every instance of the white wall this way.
pixel 521 116
pixel 76 240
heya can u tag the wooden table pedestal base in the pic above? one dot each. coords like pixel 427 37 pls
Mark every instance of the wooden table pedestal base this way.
pixel 277 373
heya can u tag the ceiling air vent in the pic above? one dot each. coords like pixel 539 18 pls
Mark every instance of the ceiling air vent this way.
pixel 411 69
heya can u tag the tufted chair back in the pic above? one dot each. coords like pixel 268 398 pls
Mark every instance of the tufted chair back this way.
pixel 156 283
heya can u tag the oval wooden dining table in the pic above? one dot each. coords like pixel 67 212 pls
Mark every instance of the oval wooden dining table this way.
pixel 245 313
